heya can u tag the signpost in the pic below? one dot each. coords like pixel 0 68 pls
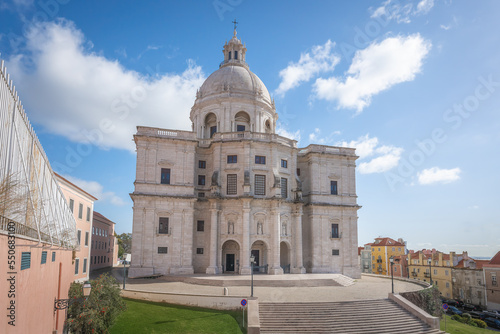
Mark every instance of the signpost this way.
pixel 243 305
pixel 445 308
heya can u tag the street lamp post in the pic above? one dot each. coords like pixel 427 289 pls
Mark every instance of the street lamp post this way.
pixel 252 260
pixel 392 272
pixel 124 274
pixel 61 304
pixel 430 269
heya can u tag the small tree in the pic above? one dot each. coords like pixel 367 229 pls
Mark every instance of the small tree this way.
pixel 124 243
pixel 99 311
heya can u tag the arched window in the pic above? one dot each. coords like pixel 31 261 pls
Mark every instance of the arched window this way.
pixel 210 125
pixel 242 121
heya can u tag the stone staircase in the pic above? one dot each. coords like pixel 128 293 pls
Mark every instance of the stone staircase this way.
pixel 369 316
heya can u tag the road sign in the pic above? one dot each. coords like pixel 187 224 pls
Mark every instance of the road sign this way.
pixel 243 302
pixel 445 306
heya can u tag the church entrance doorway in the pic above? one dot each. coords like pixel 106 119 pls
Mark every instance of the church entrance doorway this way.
pixel 285 257
pixel 255 254
pixel 230 262
pixel 231 257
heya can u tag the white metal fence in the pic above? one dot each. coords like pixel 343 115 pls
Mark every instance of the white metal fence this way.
pixel 39 210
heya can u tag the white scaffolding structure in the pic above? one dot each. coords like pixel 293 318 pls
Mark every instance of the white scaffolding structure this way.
pixel 40 211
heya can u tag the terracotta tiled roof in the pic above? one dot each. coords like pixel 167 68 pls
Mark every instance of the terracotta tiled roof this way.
pixel 481 263
pixel 101 218
pixel 386 242
pixel 495 259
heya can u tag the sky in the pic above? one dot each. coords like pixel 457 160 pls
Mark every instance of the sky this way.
pixel 414 86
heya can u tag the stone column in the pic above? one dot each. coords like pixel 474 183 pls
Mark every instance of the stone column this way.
pixel 187 241
pixel 297 218
pixel 245 245
pixel 214 225
pixel 275 227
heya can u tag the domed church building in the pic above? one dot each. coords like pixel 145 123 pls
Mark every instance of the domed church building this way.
pixel 230 191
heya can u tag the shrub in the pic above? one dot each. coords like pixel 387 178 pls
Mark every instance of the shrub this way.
pixel 467 318
pixel 457 318
pixel 99 311
pixel 479 323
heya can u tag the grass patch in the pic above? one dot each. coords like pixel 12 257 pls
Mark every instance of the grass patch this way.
pixel 455 327
pixel 149 317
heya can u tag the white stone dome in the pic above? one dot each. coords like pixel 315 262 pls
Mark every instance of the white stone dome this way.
pixel 234 79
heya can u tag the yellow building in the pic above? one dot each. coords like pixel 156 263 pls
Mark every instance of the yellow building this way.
pixel 434 267
pixel 382 250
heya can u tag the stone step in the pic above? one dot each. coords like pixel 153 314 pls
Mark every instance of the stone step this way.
pixel 370 317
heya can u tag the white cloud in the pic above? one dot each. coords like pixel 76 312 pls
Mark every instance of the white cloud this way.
pixel 281 131
pixel 424 6
pixel 383 158
pixel 97 190
pixel 315 137
pixel 393 10
pixel 85 97
pixel 375 69
pixel 321 59
pixel 438 175
pixel 442 26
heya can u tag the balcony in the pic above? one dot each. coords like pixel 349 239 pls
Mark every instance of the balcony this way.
pixel 414 273
pixel 427 275
pixel 379 260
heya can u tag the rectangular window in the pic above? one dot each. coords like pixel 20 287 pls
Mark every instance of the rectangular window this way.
pixel 88 214
pixel 200 225
pixel 240 128
pixel 25 260
pixel 236 55
pixel 162 250
pixel 231 184
pixel 199 250
pixel 284 163
pixel 446 272
pixel 479 295
pixel 284 187
pixel 393 249
pixel 435 272
pixel 44 257
pixel 71 204
pixel 53 256
pixel 333 188
pixel 79 236
pixel 298 171
pixel 213 130
pixel 260 185
pixel 260 159
pixel 84 269
pixel 165 176
pixel 493 279
pixel 335 252
pixel 335 230
pixel 232 159
pixel 77 264
pixel 163 225
pixel 80 211
pixel 201 194
pixel 202 164
pixel 201 180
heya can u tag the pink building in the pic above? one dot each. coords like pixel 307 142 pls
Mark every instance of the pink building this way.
pixel 104 251
pixel 491 276
pixel 81 204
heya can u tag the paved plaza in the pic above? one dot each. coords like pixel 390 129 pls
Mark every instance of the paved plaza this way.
pixel 368 287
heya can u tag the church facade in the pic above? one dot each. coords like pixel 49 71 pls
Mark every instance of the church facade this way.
pixel 232 191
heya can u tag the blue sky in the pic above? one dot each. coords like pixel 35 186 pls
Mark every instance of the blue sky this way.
pixel 413 85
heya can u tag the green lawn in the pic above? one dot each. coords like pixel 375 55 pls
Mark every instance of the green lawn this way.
pixel 455 327
pixel 148 317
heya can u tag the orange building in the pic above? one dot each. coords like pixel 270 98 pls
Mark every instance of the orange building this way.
pixel 382 250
